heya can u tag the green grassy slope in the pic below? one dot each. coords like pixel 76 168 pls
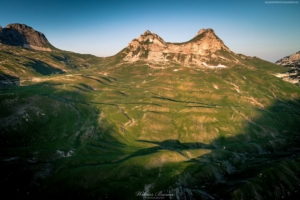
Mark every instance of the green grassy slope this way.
pixel 26 63
pixel 118 131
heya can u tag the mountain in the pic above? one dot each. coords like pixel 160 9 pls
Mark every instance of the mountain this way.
pixel 77 126
pixel 205 50
pixel 291 62
pixel 27 53
pixel 24 36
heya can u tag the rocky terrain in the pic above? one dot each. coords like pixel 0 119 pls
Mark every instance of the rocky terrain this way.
pixel 292 60
pixel 205 50
pixel 24 36
pixel 26 53
pixel 293 63
pixel 151 120
pixel 7 80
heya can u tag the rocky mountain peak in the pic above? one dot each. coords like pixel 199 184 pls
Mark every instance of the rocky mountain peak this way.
pixel 147 33
pixel 293 63
pixel 200 31
pixel 205 30
pixel 203 48
pixel 20 27
pixel 292 60
pixel 25 36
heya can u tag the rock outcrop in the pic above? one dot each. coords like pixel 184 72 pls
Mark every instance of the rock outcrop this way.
pixel 293 63
pixel 205 49
pixel 8 80
pixel 25 36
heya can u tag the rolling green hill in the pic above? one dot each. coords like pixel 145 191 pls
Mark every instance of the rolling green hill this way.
pixel 83 127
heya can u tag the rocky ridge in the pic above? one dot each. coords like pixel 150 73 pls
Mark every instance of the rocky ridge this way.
pixel 206 49
pixel 293 63
pixel 25 36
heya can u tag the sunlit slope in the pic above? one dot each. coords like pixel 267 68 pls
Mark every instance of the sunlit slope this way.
pixel 25 64
pixel 194 133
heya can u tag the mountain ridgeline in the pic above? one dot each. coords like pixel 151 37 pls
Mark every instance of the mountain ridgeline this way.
pixel 158 120
pixel 204 50
pixel 26 53
pixel 291 60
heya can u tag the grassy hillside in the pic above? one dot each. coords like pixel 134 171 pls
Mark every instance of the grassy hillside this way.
pixel 120 131
pixel 25 63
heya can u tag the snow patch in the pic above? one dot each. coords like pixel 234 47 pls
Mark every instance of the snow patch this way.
pixel 222 57
pixel 215 86
pixel 219 66
pixel 175 70
pixel 204 63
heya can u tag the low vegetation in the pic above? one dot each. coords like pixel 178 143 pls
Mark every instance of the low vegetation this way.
pixel 79 126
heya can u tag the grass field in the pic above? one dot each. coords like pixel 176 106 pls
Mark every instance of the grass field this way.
pixel 116 131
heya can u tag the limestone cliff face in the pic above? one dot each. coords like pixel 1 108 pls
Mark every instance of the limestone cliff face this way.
pixel 292 60
pixel 203 48
pixel 293 63
pixel 25 36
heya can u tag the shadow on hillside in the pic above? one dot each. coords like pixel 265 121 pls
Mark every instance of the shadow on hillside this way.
pixel 172 145
pixel 261 163
pixel 42 129
pixel 60 58
pixel 43 68
pixel 8 80
pixel 12 37
pixel 69 61
pixel 252 165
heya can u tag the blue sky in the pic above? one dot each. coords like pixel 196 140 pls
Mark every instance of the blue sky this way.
pixel 104 27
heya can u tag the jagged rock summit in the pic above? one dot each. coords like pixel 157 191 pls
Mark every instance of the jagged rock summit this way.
pixel 292 60
pixel 206 49
pixel 25 36
pixel 293 63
